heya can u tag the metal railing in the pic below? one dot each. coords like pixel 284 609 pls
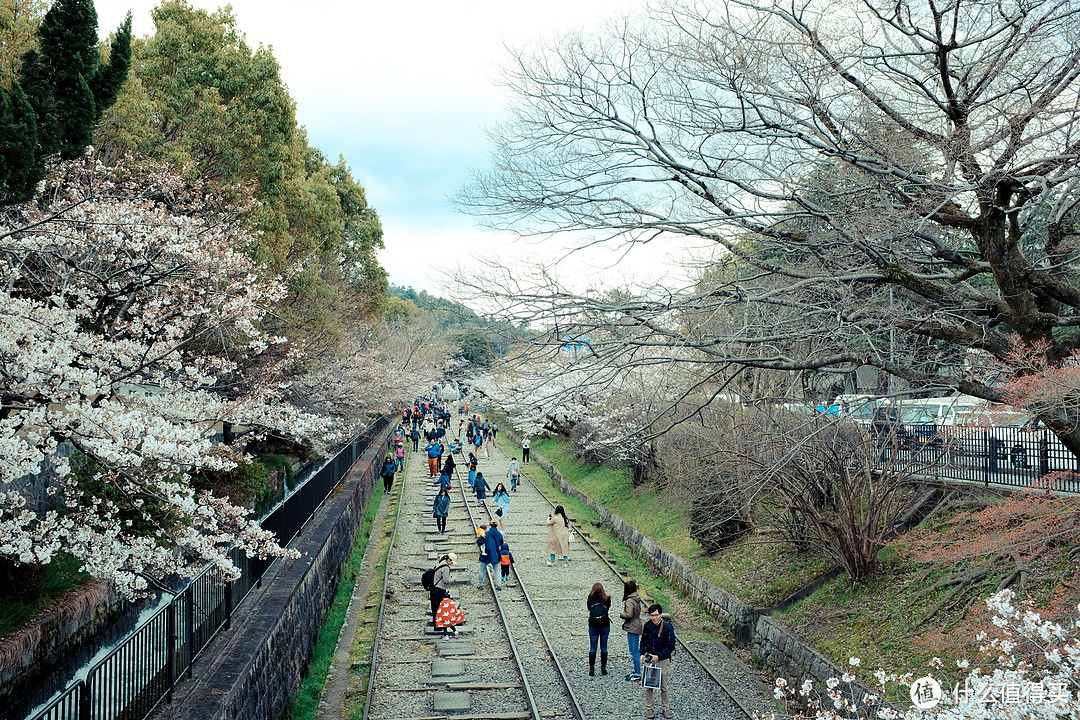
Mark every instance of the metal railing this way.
pixel 137 675
pixel 1009 456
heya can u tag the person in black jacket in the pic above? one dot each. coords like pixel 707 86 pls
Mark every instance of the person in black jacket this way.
pixel 657 644
pixel 598 603
pixel 388 470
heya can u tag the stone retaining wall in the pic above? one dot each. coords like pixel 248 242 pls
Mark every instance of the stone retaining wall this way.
pixel 786 653
pixel 252 671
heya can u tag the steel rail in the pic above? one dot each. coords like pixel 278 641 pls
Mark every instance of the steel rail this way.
pixel 621 576
pixel 386 584
pixel 506 624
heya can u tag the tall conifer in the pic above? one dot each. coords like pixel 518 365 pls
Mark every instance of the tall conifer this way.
pixel 18 139
pixel 67 86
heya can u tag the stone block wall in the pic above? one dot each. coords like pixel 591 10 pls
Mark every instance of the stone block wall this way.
pixel 792 657
pixel 252 671
pixel 785 652
pixel 38 659
pixel 736 615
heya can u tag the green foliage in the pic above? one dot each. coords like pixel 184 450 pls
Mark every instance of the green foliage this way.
pixel 19 21
pixel 64 85
pixel 251 481
pixel 110 77
pixel 19 174
pixel 26 589
pixel 202 98
pixel 282 464
pixel 142 515
pixel 475 349
pixel 68 43
pixel 499 335
pixel 447 313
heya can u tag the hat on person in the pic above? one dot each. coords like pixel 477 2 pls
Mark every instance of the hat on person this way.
pixel 452 557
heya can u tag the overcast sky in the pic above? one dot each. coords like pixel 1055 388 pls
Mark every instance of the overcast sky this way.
pixel 403 91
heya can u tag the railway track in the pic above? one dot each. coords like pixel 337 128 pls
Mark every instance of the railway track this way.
pixel 523 651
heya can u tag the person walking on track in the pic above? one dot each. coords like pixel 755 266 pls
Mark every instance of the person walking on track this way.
pixel 558 541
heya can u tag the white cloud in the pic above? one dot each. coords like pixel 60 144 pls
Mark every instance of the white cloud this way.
pixel 402 90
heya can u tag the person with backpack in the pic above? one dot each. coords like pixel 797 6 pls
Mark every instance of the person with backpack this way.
pixel 632 625
pixel 437 582
pixel 506 560
pixel 440 509
pixel 481 489
pixel 494 541
pixel 598 603
pixel 657 645
pixel 415 437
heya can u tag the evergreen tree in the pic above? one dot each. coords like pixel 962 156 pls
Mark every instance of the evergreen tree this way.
pixel 35 81
pixel 67 87
pixel 110 77
pixel 68 41
pixel 18 139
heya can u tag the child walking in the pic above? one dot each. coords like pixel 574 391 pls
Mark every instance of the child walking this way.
pixel 506 559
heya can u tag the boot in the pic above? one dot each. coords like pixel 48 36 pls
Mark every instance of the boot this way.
pixel 592 664
pixel 603 663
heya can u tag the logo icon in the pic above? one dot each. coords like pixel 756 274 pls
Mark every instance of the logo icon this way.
pixel 925 693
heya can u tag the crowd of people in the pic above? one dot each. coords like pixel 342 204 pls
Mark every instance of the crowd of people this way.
pixel 650 641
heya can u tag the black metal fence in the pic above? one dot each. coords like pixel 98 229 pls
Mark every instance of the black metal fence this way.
pixel 137 675
pixel 1008 456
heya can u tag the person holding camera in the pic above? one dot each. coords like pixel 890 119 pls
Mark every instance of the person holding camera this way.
pixel 657 644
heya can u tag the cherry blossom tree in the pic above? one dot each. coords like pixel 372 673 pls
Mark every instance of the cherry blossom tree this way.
pixel 1031 673
pixel 376 368
pixel 128 310
pixel 888 184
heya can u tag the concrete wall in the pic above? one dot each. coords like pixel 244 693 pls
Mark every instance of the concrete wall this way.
pixel 38 659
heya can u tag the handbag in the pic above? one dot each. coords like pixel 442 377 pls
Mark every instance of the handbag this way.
pixel 650 677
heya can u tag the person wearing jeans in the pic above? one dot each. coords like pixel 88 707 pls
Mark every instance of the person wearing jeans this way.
pixel 598 603
pixel 632 625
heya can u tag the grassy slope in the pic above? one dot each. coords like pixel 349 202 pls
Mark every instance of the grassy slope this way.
pixel 879 622
pixel 756 570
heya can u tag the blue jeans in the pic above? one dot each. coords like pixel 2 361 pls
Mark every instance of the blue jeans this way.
pixel 632 641
pixel 400 464
pixel 600 634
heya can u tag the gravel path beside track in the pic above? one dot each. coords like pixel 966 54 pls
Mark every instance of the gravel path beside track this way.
pixel 409 675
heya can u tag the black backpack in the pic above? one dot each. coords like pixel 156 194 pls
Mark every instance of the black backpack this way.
pixel 598 611
pixel 427 580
